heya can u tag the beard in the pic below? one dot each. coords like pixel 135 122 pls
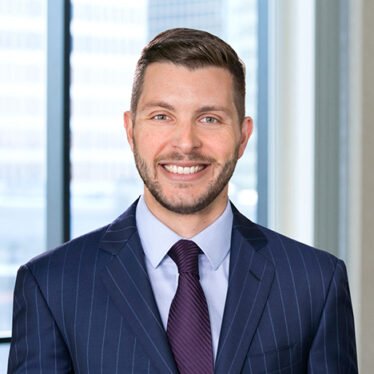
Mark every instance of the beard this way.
pixel 201 202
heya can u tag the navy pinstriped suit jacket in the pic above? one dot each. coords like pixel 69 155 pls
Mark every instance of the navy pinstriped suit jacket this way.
pixel 88 307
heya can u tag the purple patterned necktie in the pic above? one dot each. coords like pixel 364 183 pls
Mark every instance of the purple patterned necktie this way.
pixel 188 328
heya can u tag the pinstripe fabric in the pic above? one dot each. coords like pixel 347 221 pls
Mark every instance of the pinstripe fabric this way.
pixel 88 307
pixel 305 324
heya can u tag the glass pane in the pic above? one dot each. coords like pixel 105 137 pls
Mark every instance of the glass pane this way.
pixel 22 141
pixel 4 352
pixel 107 39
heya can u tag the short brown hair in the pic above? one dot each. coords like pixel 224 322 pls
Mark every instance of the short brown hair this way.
pixel 192 49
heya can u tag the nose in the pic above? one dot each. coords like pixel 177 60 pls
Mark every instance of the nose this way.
pixel 186 137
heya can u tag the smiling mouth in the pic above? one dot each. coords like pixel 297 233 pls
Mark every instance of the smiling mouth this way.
pixel 175 169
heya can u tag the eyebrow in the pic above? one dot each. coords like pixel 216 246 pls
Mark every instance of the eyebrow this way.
pixel 161 104
pixel 214 108
pixel 205 108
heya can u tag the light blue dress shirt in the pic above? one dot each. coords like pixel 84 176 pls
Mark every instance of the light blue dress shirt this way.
pixel 214 241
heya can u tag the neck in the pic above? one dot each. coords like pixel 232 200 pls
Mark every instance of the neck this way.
pixel 187 225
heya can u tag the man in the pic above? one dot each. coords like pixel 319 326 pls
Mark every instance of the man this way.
pixel 127 298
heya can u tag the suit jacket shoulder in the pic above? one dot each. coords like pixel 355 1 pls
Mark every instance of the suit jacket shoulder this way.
pixel 299 307
pixel 83 250
pixel 67 319
pixel 286 253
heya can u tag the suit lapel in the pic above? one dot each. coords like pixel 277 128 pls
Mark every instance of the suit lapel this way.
pixel 126 280
pixel 251 276
pixel 250 280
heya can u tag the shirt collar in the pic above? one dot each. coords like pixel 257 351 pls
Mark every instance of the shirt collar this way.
pixel 157 238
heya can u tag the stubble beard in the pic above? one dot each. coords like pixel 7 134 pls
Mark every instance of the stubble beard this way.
pixel 201 202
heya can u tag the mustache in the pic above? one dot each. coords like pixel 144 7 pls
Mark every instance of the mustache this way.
pixel 192 156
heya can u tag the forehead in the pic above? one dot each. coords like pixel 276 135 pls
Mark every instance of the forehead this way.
pixel 176 82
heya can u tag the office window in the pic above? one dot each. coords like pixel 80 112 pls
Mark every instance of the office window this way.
pixel 107 39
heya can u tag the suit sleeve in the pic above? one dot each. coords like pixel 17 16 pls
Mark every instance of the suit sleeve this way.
pixel 37 345
pixel 334 348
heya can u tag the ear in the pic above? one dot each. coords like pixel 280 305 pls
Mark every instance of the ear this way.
pixel 246 132
pixel 129 126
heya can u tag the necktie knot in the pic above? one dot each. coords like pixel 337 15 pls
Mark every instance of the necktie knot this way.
pixel 185 253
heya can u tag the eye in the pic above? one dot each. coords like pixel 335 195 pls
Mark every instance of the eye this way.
pixel 161 117
pixel 209 120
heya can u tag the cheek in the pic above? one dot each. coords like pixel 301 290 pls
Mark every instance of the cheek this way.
pixel 222 147
pixel 148 144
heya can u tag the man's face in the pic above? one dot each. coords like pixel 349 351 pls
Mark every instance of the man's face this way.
pixel 186 137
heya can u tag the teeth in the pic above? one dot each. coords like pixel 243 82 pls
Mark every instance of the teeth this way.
pixel 183 170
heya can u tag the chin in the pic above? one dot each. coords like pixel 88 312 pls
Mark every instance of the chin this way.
pixel 186 204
